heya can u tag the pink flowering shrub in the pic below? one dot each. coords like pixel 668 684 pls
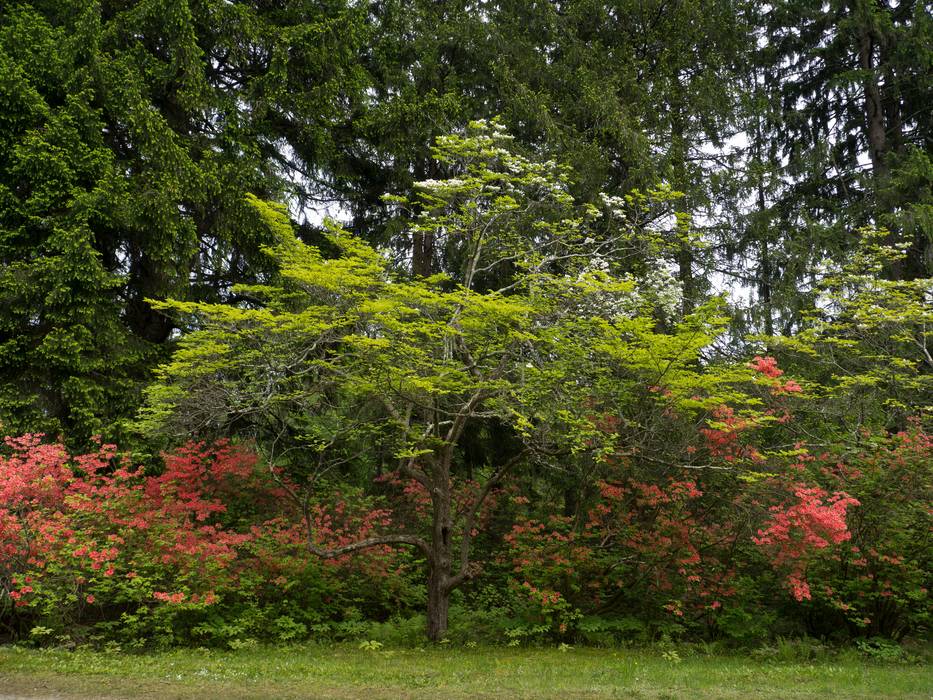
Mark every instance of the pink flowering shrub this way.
pixel 647 548
pixel 794 532
pixel 876 582
pixel 91 542
pixel 709 549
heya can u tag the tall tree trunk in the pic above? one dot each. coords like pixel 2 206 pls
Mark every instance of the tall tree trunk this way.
pixel 765 272
pixel 679 156
pixel 148 279
pixel 685 277
pixel 441 561
pixel 422 242
pixel 422 256
pixel 571 501
pixel 876 130
pixel 438 603
pixel 874 112
pixel 764 287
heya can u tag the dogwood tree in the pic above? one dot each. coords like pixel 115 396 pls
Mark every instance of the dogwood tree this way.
pixel 340 355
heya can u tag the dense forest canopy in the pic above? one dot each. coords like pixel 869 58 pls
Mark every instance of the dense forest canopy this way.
pixel 606 317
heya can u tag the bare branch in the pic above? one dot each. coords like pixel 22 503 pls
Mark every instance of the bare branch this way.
pixel 410 540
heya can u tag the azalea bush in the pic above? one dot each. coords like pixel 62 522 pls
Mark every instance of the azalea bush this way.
pixel 743 537
pixel 201 551
pixel 877 583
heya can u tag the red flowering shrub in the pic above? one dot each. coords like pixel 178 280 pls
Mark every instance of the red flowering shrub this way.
pixel 876 583
pixel 723 436
pixel 90 537
pixel 794 532
pixel 550 568
pixel 692 546
pixel 643 550
pixel 767 366
pixel 92 541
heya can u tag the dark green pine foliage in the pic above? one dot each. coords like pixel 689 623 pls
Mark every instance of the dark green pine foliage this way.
pixel 66 356
pixel 854 83
pixel 291 71
pixel 129 135
pixel 631 94
pixel 427 73
pixel 626 93
pixel 569 81
pixel 836 113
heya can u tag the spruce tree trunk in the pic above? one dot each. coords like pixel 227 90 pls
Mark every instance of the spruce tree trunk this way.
pixel 685 277
pixel 422 257
pixel 422 242
pixel 875 129
pixel 148 278
pixel 681 182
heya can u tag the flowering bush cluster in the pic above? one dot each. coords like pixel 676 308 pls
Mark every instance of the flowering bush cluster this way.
pixel 794 532
pixel 644 547
pixel 93 543
pixel 877 583
pixel 209 549
pixel 830 542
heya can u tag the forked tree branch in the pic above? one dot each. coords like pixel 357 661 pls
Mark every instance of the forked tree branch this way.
pixel 467 538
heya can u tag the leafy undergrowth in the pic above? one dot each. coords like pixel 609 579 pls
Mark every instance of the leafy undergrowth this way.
pixel 372 672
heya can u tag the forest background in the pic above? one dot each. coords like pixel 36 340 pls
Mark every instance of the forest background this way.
pixel 504 384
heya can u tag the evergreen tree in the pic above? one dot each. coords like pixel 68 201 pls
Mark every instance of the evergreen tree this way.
pixel 130 133
pixel 855 83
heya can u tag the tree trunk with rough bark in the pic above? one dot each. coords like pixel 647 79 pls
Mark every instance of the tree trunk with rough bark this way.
pixel 441 560
pixel 874 114
pixel 438 603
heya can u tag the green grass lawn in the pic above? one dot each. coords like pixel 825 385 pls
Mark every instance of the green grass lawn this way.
pixel 349 672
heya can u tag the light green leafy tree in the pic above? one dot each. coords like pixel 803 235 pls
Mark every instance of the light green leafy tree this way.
pixel 338 353
pixel 868 346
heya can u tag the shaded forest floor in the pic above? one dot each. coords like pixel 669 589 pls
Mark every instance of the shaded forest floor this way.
pixel 349 672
